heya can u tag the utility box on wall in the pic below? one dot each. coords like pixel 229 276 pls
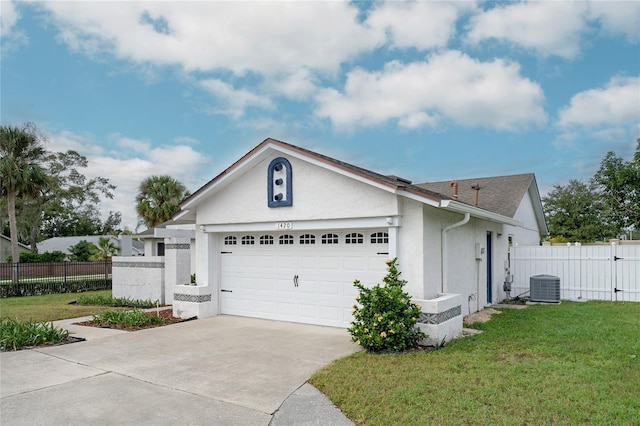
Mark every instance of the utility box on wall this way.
pixel 545 288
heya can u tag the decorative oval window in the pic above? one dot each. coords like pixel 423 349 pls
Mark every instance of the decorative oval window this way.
pixel 279 183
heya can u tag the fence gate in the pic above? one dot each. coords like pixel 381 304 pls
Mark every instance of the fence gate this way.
pixel 627 273
pixel 601 272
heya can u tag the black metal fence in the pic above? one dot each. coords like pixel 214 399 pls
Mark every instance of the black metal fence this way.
pixel 30 279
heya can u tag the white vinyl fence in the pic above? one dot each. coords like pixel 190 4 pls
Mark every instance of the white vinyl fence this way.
pixel 601 272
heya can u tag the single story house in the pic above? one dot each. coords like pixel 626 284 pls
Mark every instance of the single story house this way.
pixel 283 232
pixel 5 248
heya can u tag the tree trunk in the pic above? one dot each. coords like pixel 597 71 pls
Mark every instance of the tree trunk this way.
pixel 13 229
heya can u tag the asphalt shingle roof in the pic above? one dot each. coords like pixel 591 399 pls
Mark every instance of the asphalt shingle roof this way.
pixel 498 194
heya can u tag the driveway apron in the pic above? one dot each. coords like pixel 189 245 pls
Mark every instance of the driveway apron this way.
pixel 220 370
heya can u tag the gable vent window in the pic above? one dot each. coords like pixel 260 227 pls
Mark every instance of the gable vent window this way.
pixel 354 238
pixel 379 238
pixel 279 183
pixel 248 240
pixel 230 241
pixel 266 240
pixel 286 239
pixel 307 239
pixel 329 239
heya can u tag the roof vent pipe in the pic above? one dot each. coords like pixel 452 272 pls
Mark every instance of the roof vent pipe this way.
pixel 476 188
pixel 454 184
pixel 443 256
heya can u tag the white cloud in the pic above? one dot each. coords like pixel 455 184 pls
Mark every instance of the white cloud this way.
pixel 263 37
pixel 235 101
pixel 136 161
pixel 618 103
pixel 136 145
pixel 298 85
pixel 549 27
pixel 11 37
pixel 419 24
pixel 8 17
pixel 618 17
pixel 448 86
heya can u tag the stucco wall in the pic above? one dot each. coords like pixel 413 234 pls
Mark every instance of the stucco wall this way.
pixel 529 233
pixel 318 194
pixel 139 277
pixel 468 275
pixel 411 242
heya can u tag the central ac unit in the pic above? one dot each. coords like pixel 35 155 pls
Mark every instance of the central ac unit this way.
pixel 545 288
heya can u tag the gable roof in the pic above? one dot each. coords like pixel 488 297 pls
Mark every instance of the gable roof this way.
pixel 391 184
pixel 499 194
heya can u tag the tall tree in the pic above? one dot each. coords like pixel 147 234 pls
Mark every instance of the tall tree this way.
pixel 68 205
pixel 22 175
pixel 619 183
pixel 576 212
pixel 158 199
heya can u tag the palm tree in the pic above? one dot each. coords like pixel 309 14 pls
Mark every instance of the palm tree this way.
pixel 158 199
pixel 106 249
pixel 21 171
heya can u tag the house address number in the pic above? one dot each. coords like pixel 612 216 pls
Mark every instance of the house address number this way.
pixel 284 225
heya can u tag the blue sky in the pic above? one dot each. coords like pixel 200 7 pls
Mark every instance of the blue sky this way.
pixel 425 90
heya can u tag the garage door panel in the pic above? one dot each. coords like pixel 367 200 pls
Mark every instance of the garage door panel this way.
pixel 263 279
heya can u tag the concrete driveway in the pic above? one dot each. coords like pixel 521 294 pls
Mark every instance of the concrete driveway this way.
pixel 214 371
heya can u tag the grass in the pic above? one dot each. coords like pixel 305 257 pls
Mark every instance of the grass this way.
pixel 15 334
pixel 574 363
pixel 50 307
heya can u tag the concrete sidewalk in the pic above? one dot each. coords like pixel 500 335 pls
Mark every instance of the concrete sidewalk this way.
pixel 222 371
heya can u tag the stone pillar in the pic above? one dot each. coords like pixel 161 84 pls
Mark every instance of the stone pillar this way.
pixel 177 261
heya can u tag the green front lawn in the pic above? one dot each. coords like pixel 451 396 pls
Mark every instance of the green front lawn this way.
pixel 50 307
pixel 573 363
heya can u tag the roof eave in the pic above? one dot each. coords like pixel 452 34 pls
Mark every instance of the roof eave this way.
pixel 476 212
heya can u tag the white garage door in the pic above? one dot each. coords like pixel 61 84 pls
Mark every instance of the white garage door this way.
pixel 301 277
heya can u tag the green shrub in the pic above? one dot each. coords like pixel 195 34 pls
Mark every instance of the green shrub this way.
pixel 385 318
pixel 114 301
pixel 135 318
pixel 15 334
pixel 46 257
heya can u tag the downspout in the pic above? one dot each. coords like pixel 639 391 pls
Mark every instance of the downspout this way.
pixel 446 229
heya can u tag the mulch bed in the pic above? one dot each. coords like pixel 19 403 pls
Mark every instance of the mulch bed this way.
pixel 167 316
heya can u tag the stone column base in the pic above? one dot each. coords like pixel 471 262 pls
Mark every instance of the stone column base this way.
pixel 193 301
pixel 441 318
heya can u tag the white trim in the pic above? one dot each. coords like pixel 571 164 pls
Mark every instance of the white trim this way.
pixel 174 233
pixel 415 197
pixel 310 225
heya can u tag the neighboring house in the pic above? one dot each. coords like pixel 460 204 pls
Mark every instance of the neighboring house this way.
pixel 5 248
pixel 128 246
pixel 283 232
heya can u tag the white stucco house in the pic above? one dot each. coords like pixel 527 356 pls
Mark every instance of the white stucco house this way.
pixel 283 232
